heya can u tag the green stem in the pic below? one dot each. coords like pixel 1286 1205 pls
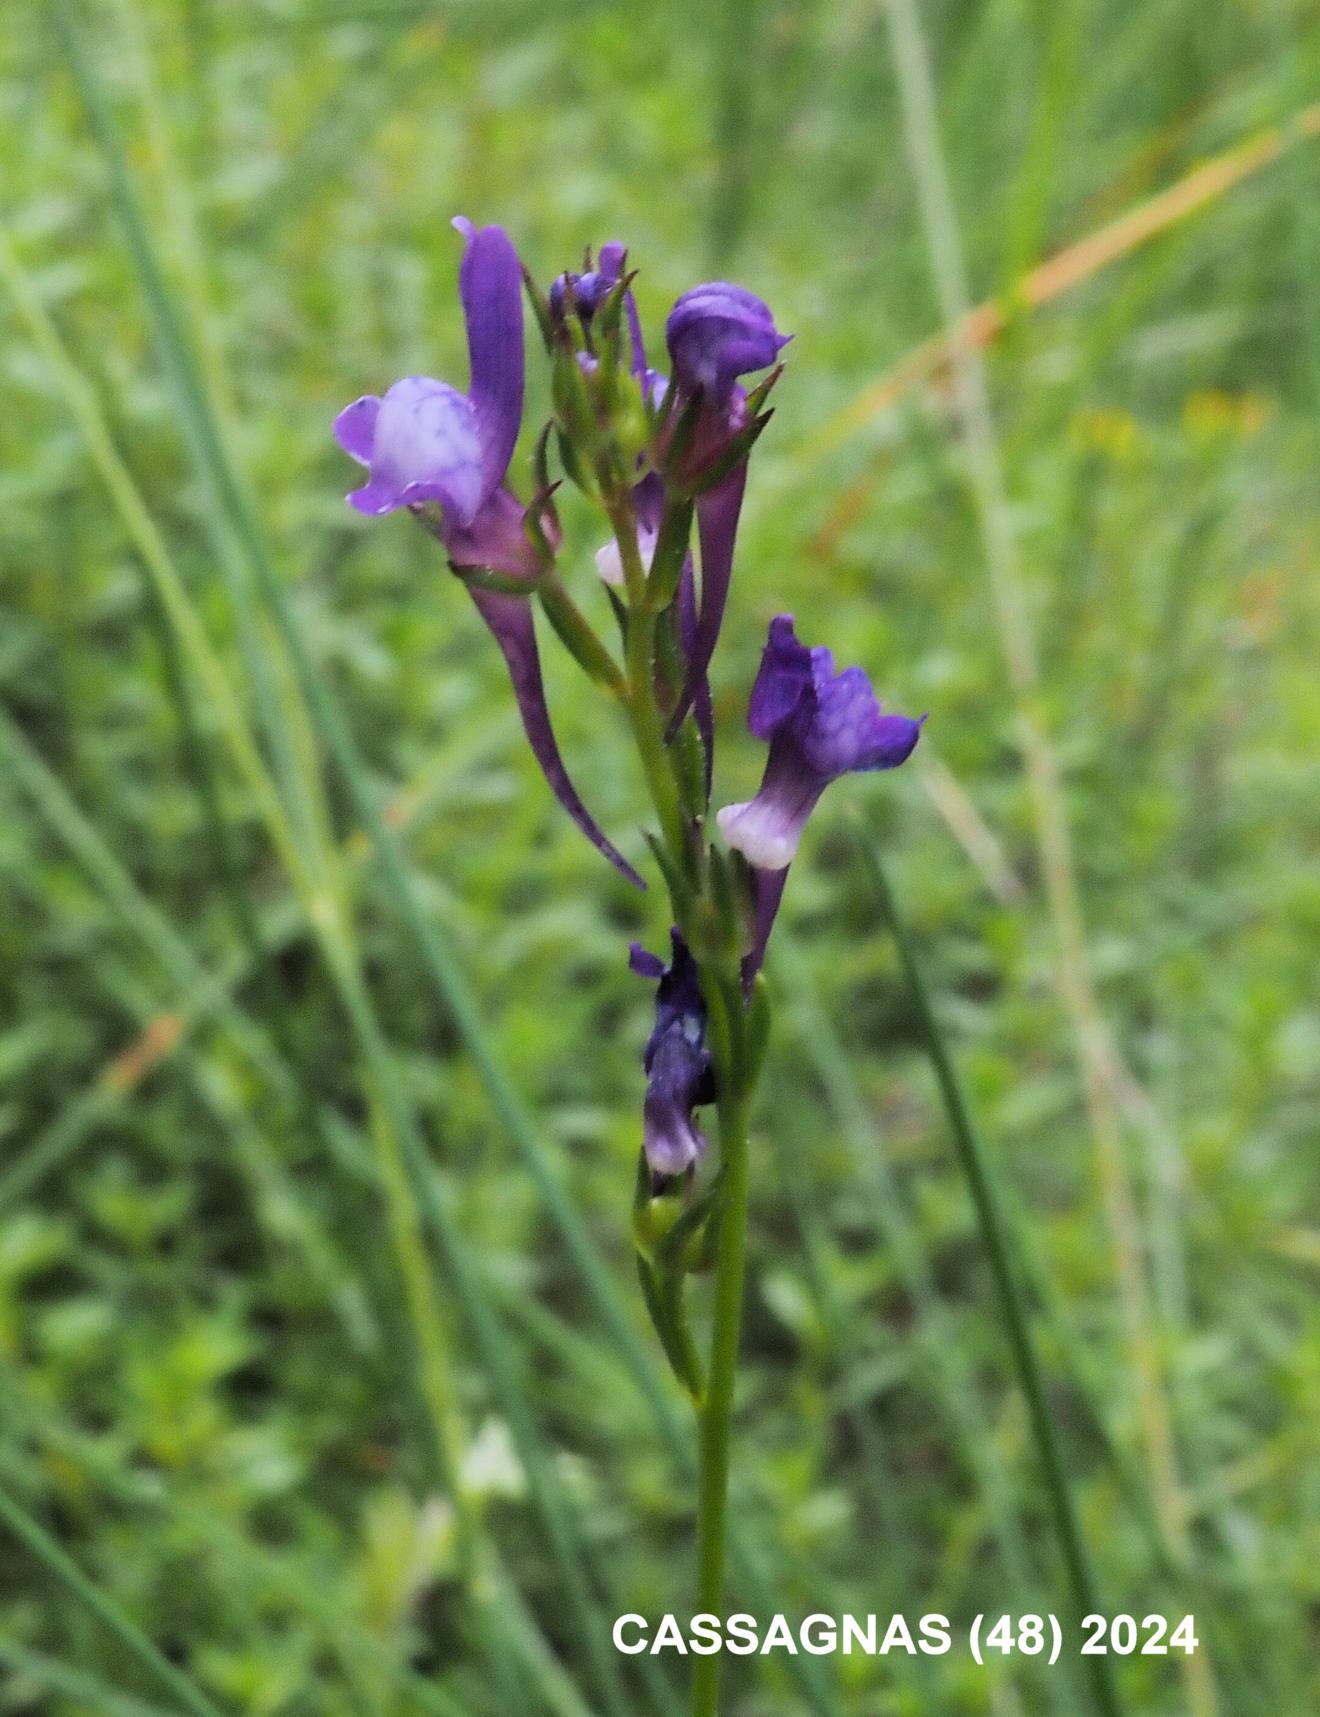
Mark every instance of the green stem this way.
pixel 642 706
pixel 1012 1299
pixel 715 1420
pixel 577 634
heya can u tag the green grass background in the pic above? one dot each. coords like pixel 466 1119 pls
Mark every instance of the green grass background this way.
pixel 217 1442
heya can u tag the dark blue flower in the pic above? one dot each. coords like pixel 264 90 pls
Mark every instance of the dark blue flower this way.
pixel 676 1060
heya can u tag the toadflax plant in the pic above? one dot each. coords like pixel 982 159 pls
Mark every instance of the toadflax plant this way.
pixel 664 457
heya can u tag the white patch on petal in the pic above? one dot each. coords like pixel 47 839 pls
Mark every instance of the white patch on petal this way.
pixel 758 833
pixel 609 562
pixel 426 437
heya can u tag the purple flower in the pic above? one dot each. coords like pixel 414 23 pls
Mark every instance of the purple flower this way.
pixel 426 446
pixel 677 1062
pixel 426 442
pixel 819 725
pixel 717 333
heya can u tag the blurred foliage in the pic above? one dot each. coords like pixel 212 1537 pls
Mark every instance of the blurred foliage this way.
pixel 210 1396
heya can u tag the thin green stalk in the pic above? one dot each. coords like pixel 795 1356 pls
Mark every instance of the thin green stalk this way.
pixel 1012 1298
pixel 93 1694
pixel 61 1567
pixel 956 1388
pixel 716 1416
pixel 642 707
pixel 577 634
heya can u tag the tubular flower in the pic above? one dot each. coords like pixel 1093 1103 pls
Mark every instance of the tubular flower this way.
pixel 676 1060
pixel 446 455
pixel 819 725
pixel 715 334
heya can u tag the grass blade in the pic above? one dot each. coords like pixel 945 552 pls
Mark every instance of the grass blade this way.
pixel 1012 1299
pixel 66 1573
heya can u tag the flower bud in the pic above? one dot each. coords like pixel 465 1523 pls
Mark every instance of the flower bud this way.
pixel 717 333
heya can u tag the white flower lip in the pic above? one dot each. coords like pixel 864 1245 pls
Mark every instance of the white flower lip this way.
pixel 609 562
pixel 758 834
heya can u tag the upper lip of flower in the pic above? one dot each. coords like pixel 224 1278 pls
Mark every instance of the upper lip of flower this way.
pixel 833 719
pixel 717 332
pixel 441 445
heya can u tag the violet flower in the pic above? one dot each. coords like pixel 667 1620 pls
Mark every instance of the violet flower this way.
pixel 676 1060
pixel 715 334
pixel 446 455
pixel 820 725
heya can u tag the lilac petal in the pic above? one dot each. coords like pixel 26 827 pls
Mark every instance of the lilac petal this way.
pixel 717 527
pixel 722 291
pixel 490 282
pixel 424 447
pixel 355 428
pixel 511 625
pixel 375 498
pixel 849 731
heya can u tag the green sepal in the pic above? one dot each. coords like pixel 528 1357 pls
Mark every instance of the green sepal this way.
pixel 725 895
pixel 681 439
pixel 541 310
pixel 664 1304
pixel 691 1243
pixel 541 459
pixel 690 758
pixel 505 583
pixel 574 469
pixel 671 549
pixel 757 1035
pixel 761 392
pixel 542 505
pixel 680 891
pixel 653 1216
pixel 733 455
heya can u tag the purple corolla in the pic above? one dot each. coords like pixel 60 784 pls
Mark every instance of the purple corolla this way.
pixel 446 455
pixel 679 1074
pixel 717 333
pixel 819 725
